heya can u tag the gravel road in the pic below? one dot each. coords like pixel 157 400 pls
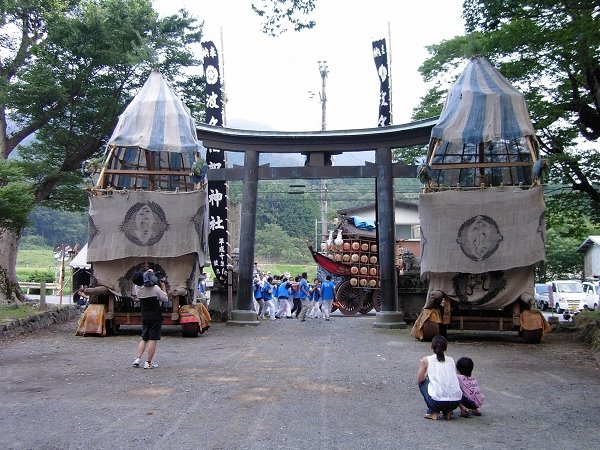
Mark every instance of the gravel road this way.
pixel 289 384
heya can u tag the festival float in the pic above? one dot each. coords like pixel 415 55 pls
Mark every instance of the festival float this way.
pixel 148 210
pixel 350 256
pixel 482 211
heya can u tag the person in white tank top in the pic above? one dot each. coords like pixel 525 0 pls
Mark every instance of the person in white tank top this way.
pixel 438 381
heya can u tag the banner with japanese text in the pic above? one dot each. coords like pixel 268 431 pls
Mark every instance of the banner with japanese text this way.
pixel 380 55
pixel 215 159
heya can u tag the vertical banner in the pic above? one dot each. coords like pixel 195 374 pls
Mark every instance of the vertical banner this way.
pixel 215 159
pixel 380 55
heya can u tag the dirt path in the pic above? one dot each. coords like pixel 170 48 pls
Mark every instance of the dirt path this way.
pixel 286 384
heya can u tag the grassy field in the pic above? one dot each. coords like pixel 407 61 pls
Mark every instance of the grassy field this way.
pixel 8 313
pixel 39 258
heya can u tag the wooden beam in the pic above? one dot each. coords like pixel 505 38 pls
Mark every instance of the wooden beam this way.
pixel 266 172
pixel 481 165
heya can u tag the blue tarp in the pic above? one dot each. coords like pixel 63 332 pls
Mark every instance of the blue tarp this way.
pixel 483 106
pixel 363 224
pixel 156 120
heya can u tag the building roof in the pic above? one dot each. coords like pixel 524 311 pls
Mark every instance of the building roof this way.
pixel 589 242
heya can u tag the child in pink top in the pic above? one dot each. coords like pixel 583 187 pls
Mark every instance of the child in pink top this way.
pixel 472 398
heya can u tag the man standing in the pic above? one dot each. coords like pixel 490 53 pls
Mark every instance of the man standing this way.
pixel 150 295
pixel 267 294
pixel 259 303
pixel 282 296
pixel 327 296
pixel 304 295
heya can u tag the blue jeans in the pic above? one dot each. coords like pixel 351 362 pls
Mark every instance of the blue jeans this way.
pixel 467 403
pixel 436 405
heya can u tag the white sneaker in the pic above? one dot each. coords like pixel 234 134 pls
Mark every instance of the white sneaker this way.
pixel 150 365
pixel 136 362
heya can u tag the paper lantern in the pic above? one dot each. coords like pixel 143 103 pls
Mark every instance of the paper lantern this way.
pixel 363 282
pixel 364 247
pixel 355 246
pixel 354 257
pixel 338 257
pixel 363 270
pixel 373 248
pixel 373 260
pixel 346 246
pixel 372 271
pixel 353 281
pixel 354 270
pixel 373 283
pixel 346 257
pixel 364 259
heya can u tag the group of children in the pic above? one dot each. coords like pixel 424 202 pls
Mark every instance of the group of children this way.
pixel 283 297
pixel 446 386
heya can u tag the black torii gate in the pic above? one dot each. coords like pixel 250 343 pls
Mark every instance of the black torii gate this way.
pixel 318 146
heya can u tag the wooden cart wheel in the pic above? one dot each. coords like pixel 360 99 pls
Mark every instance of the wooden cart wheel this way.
pixel 376 299
pixel 367 304
pixel 349 298
pixel 533 336
pixel 190 329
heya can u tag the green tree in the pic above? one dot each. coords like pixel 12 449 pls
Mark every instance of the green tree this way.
pixel 550 50
pixel 68 68
pixel 279 15
pixel 275 245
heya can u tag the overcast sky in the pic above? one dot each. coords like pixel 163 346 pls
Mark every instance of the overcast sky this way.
pixel 268 79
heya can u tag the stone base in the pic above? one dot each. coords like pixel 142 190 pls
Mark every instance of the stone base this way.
pixel 390 320
pixel 243 318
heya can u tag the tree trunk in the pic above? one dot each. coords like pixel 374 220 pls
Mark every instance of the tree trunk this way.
pixel 10 292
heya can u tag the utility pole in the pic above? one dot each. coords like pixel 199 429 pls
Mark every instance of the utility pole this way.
pixel 323 188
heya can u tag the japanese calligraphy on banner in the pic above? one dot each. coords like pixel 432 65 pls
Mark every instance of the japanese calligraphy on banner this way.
pixel 380 55
pixel 215 159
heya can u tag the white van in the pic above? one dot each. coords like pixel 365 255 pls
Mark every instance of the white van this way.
pixel 591 290
pixel 566 295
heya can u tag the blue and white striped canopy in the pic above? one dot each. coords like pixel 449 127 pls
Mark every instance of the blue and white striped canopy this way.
pixel 482 106
pixel 156 120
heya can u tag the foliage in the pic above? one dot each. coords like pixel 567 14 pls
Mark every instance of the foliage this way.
pixel 588 325
pixel 562 259
pixel 35 275
pixel 8 313
pixel 293 269
pixel 550 51
pixel 279 15
pixel 32 242
pixel 274 245
pixel 70 68
pixel 58 227
pixel 16 196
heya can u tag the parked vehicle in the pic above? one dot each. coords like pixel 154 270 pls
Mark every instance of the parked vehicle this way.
pixel 592 294
pixel 542 296
pixel 566 295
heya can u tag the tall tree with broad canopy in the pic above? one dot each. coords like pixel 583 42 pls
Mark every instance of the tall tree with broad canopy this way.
pixel 67 69
pixel 550 50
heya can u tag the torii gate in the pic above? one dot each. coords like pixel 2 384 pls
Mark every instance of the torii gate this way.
pixel 318 146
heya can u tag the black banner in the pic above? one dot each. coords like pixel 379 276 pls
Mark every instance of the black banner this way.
pixel 215 159
pixel 380 55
